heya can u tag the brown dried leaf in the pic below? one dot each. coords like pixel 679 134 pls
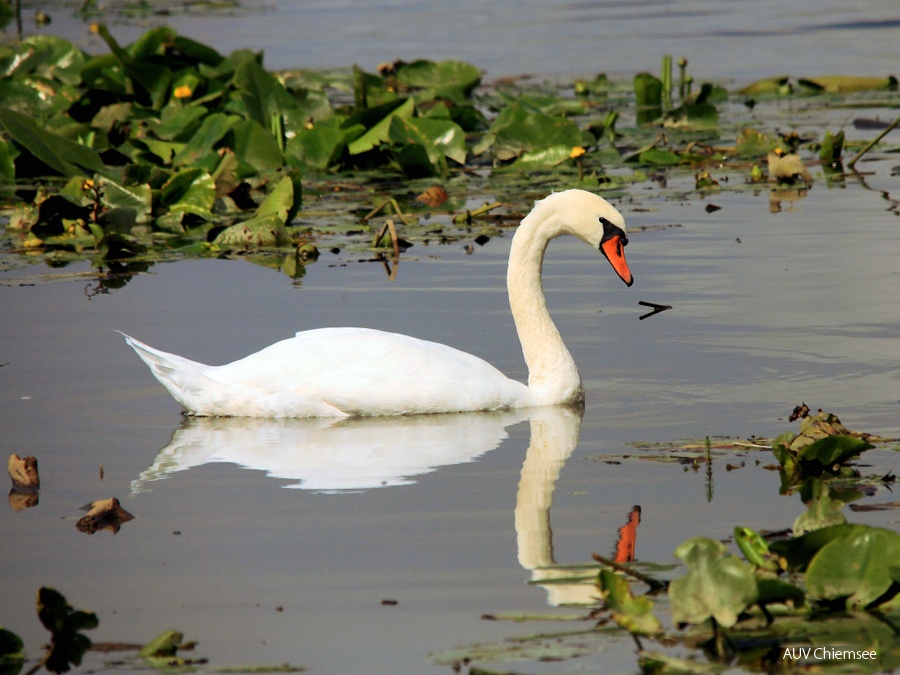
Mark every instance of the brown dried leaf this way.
pixel 103 514
pixel 433 196
pixel 787 167
pixel 24 473
pixel 822 424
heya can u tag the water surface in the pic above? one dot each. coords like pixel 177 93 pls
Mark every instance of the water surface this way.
pixel 722 40
pixel 266 553
pixel 278 563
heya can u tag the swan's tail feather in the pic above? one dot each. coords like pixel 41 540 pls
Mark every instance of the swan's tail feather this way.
pixel 181 377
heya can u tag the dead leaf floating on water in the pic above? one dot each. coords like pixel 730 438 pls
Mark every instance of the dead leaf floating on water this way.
pixel 25 482
pixel 103 514
pixel 433 196
pixel 787 168
pixel 24 473
pixel 814 427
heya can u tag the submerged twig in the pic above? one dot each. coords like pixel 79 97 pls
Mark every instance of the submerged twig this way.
pixel 871 144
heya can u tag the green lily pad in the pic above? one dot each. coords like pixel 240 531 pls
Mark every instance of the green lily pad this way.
pixel 379 131
pixel 532 138
pixel 205 139
pixel 256 148
pixel 717 585
pixel 66 157
pixel 319 147
pixel 862 567
pixel 266 229
pixel 189 191
pixel 454 80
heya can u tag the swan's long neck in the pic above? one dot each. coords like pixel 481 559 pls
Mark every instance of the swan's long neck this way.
pixel 552 375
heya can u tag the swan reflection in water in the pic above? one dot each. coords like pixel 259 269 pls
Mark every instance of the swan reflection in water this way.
pixel 356 454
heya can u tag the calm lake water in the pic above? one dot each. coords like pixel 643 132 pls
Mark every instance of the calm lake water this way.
pixel 273 542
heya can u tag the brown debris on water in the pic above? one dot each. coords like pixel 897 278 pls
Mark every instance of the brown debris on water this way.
pixel 787 167
pixel 23 472
pixel 103 514
pixel 814 426
pixel 433 196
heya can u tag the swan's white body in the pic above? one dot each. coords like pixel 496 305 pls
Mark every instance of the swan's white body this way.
pixel 340 372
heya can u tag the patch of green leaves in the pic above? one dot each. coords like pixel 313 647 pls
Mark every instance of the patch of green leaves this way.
pixel 630 613
pixel 831 584
pixel 12 652
pixel 67 643
pixel 717 586
pixel 177 143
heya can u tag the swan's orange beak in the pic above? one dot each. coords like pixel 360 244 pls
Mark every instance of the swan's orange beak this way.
pixel 614 250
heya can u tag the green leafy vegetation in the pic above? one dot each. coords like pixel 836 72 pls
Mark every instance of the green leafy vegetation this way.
pixel 67 642
pixel 68 645
pixel 165 148
pixel 824 595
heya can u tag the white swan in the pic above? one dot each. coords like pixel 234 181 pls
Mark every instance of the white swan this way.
pixel 341 372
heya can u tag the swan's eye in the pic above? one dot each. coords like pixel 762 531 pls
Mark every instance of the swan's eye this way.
pixel 610 231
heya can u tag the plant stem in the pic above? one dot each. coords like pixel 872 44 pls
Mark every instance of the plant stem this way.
pixel 480 211
pixel 872 143
pixel 388 227
pixel 654 584
pixel 666 77
pixel 394 205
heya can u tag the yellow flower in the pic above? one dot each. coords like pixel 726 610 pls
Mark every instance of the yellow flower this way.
pixel 577 152
pixel 184 91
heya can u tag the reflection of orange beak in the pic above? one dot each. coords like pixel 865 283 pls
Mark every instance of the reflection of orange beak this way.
pixel 614 251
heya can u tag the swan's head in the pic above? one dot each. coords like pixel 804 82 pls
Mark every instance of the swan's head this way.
pixel 596 222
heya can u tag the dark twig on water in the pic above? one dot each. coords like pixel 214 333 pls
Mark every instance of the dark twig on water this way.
pixel 656 308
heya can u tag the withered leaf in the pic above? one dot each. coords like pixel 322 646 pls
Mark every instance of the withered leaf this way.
pixel 24 473
pixel 103 514
pixel 433 196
